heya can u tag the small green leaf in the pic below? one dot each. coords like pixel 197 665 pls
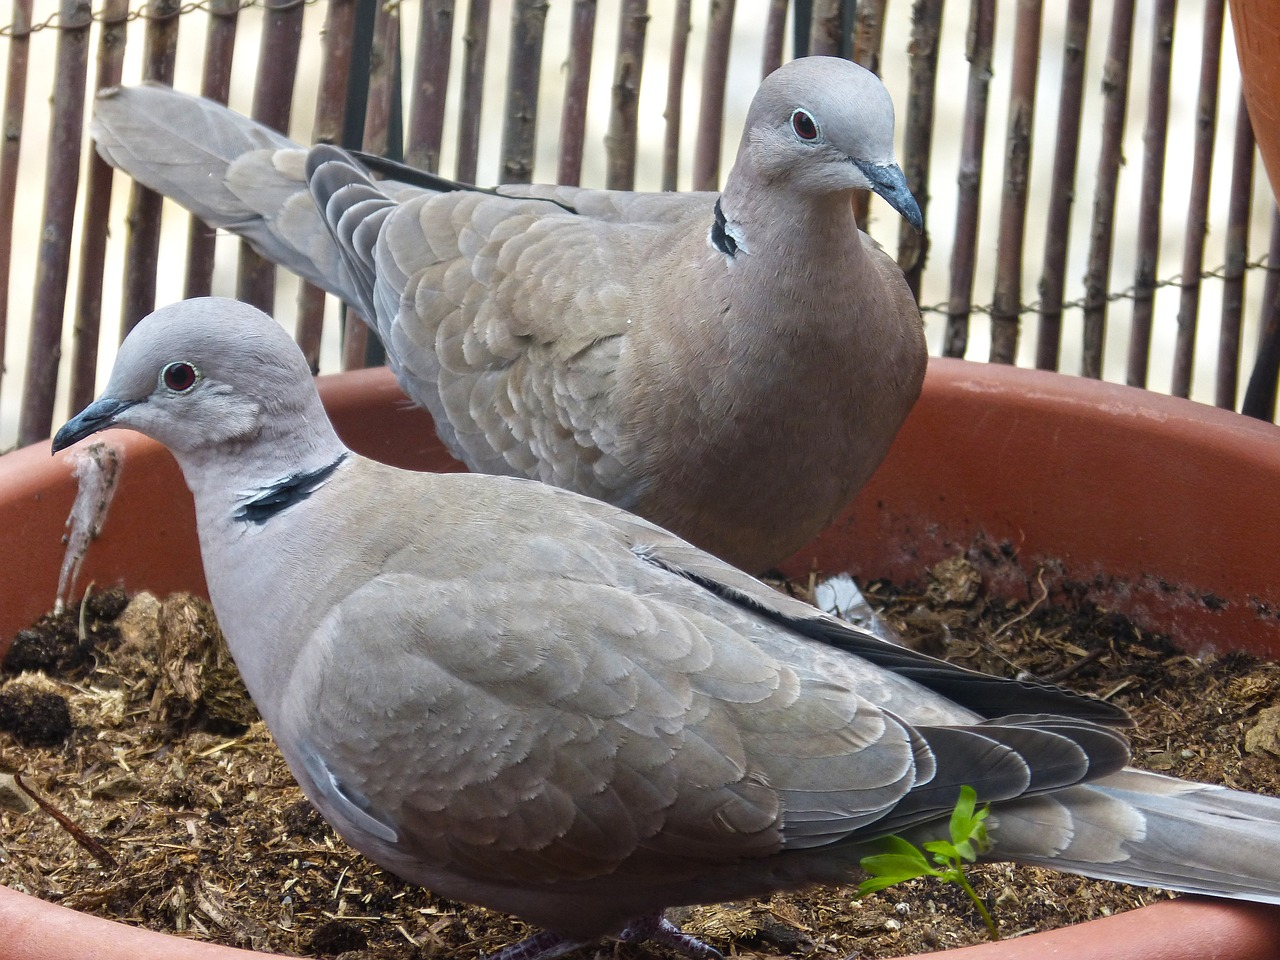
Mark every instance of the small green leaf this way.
pixel 902 860
pixel 896 844
pixel 962 816
pixel 941 849
pixel 882 864
pixel 897 865
pixel 979 833
pixel 876 884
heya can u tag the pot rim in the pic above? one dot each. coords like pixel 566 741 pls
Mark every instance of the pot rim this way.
pixel 1188 928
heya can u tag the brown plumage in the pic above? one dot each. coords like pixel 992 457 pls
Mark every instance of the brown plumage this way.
pixel 732 367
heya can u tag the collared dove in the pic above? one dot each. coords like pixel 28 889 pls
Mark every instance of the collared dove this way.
pixel 732 367
pixel 531 700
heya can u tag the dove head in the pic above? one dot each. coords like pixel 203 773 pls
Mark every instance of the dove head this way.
pixel 208 375
pixel 822 125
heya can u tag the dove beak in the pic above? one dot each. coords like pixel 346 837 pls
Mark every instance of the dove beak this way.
pixel 888 180
pixel 96 416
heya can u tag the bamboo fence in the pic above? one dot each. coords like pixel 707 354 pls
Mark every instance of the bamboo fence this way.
pixel 1087 170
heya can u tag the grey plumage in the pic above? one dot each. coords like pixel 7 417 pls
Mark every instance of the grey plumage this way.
pixel 732 367
pixel 531 700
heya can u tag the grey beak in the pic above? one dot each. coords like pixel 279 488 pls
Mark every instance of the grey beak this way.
pixel 888 180
pixel 96 416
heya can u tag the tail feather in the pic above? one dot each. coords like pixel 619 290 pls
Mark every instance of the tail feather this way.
pixel 230 171
pixel 1151 830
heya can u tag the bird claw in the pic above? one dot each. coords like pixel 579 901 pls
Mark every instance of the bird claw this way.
pixel 655 928
pixel 545 945
pixel 659 929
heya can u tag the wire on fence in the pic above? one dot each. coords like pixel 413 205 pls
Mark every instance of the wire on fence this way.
pixel 1223 272
pixel 145 12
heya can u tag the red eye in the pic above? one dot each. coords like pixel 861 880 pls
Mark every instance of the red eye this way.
pixel 179 377
pixel 804 126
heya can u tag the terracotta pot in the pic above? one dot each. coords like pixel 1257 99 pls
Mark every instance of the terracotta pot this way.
pixel 1163 509
pixel 1257 30
pixel 1156 507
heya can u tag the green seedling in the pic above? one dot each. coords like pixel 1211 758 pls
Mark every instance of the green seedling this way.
pixel 903 860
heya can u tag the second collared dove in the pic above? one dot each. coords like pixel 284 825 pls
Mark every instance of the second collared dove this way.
pixel 527 699
pixel 732 367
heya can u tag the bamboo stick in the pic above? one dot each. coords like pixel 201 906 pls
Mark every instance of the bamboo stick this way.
pixel 335 70
pixel 825 29
pixel 95 220
pixel 364 31
pixel 355 340
pixel 1198 201
pixel 216 85
pixel 142 245
pixel 360 345
pixel 1154 141
pixel 339 27
pixel 868 42
pixel 573 116
pixel 674 112
pixel 978 46
pixel 384 72
pixel 10 148
pixel 1115 91
pixel 62 175
pixel 519 130
pixel 272 102
pixel 1237 255
pixel 802 15
pixel 1007 302
pixel 775 30
pixel 475 46
pixel 706 147
pixel 868 34
pixel 926 25
pixel 1062 190
pixel 620 140
pixel 1260 396
pixel 430 84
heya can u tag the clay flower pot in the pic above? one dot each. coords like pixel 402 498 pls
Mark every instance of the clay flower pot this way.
pixel 1162 509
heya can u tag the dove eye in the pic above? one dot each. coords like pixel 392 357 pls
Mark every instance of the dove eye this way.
pixel 805 126
pixel 179 377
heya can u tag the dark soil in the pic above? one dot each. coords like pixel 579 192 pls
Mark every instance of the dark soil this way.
pixel 138 731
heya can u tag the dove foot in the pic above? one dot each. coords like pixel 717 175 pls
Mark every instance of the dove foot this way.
pixel 658 929
pixel 654 928
pixel 541 946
